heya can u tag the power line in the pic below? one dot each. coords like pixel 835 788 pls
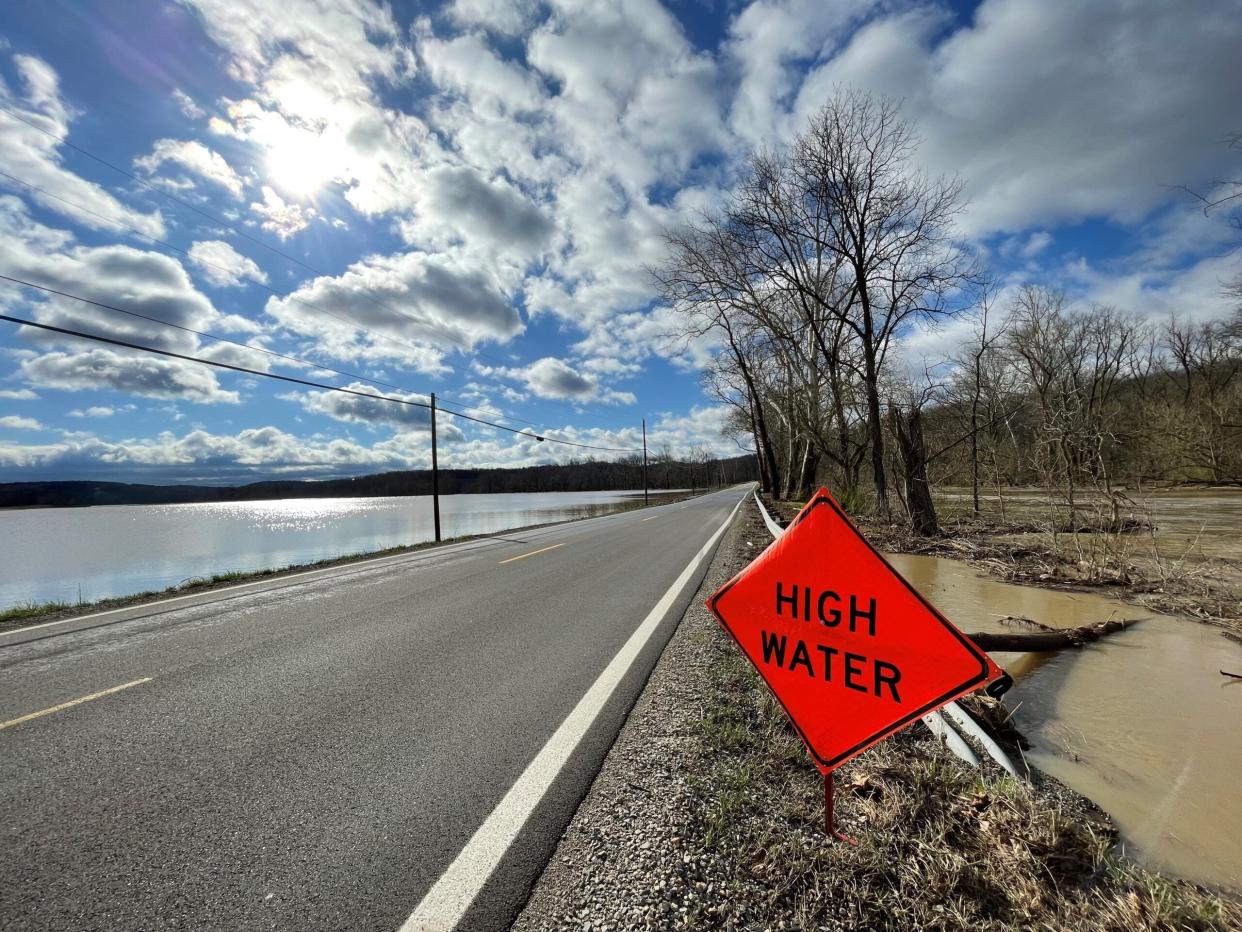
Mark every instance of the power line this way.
pixel 185 252
pixel 228 226
pixel 287 378
pixel 276 355
pixel 200 333
pixel 160 191
pixel 63 140
pixel 488 412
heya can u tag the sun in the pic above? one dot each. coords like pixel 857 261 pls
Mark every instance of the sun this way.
pixel 299 163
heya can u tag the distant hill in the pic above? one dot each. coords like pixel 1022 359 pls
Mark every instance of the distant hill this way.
pixel 573 477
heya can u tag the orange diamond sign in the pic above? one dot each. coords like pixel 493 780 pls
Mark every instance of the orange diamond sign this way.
pixel 852 651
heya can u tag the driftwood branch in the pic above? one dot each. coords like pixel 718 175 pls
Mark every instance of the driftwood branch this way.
pixel 1050 638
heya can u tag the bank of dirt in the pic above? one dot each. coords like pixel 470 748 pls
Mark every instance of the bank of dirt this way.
pixel 707 814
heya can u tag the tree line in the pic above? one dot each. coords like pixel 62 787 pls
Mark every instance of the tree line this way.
pixel 829 252
pixel 696 469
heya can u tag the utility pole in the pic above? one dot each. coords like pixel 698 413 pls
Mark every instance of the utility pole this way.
pixel 644 461
pixel 435 470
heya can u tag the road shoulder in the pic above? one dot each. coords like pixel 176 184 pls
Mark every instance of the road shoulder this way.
pixel 707 814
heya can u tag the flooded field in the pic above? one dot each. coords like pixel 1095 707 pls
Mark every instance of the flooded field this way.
pixel 76 554
pixel 1142 722
pixel 1200 524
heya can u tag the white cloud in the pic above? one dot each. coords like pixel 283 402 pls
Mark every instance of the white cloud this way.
pixel 18 394
pixel 316 114
pixel 1194 291
pixel 769 41
pixel 35 157
pixel 494 212
pixel 272 450
pixel 149 284
pixel 279 217
pixel 16 422
pixel 376 410
pixel 222 265
pixel 468 65
pixel 348 42
pixel 1054 112
pixel 93 411
pixel 424 304
pixel 507 17
pixel 195 158
pixel 551 377
pixel 150 376
pixel 187 104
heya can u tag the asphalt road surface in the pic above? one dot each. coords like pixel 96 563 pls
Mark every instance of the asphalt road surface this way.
pixel 319 752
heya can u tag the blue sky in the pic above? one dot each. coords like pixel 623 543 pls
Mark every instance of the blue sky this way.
pixel 463 199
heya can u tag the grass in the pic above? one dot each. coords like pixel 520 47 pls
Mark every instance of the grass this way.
pixel 941 846
pixel 30 612
pixel 27 611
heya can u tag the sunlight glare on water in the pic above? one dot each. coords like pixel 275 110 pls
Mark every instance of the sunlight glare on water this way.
pixel 67 554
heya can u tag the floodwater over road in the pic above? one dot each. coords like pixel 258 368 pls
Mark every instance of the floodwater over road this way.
pixel 1142 722
pixel 72 554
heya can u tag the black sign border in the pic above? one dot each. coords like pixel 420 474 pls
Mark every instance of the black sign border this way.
pixel 949 696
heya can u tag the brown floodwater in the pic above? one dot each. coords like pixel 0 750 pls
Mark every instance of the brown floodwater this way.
pixel 1201 523
pixel 1142 722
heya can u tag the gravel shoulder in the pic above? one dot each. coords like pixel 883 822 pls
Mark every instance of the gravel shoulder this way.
pixel 707 815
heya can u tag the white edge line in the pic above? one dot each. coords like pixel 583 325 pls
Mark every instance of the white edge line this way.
pixel 448 900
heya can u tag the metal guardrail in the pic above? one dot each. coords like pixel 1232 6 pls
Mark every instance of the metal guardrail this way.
pixel 773 528
pixel 950 732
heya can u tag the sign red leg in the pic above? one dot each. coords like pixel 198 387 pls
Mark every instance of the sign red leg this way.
pixel 830 828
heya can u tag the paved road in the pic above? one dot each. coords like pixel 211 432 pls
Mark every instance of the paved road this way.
pixel 314 753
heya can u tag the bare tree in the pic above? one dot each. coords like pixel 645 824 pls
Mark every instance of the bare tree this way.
pixel 849 226
pixel 972 364
pixel 701 278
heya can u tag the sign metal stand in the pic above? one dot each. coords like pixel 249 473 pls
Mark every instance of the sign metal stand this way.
pixel 830 826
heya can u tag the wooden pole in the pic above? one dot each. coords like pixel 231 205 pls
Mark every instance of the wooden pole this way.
pixel 644 461
pixel 435 470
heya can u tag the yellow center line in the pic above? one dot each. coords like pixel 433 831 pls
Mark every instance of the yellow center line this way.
pixel 531 554
pixel 72 702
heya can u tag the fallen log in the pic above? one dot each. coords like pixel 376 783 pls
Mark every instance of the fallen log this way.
pixel 1054 639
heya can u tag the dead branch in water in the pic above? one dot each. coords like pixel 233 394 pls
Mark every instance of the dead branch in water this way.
pixel 1050 639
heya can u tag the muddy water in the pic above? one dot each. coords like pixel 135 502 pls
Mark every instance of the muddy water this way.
pixel 1204 523
pixel 1142 722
